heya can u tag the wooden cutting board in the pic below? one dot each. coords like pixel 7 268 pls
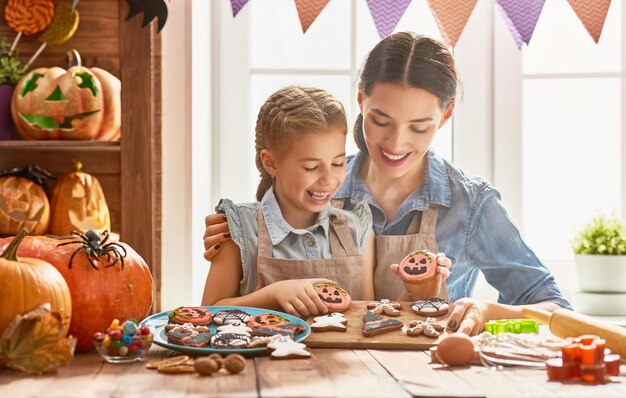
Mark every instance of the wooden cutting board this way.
pixel 353 337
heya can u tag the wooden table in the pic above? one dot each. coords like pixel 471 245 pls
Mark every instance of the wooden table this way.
pixel 329 373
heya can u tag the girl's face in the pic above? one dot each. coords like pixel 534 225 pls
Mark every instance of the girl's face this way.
pixel 399 125
pixel 311 170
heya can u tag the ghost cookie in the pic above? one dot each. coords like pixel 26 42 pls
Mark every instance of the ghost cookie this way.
pixel 333 322
pixel 197 316
pixel 418 267
pixel 235 327
pixel 430 307
pixel 429 328
pixel 385 306
pixel 285 348
pixel 374 324
pixel 224 317
pixel 334 297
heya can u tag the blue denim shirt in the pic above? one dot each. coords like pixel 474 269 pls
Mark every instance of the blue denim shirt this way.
pixel 473 230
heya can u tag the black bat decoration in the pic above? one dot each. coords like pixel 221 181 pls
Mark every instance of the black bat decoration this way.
pixel 151 9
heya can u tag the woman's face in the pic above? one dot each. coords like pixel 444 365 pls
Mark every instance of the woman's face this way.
pixel 399 125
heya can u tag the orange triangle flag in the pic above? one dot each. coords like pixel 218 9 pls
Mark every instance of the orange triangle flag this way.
pixel 308 10
pixel 451 16
pixel 592 13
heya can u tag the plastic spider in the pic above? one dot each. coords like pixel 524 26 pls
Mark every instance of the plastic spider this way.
pixel 31 172
pixel 94 246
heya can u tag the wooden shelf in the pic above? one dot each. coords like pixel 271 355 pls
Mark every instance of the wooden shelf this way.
pixel 73 145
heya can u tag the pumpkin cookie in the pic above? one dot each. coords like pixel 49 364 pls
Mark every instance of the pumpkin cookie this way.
pixel 197 316
pixel 385 306
pixel 334 297
pixel 267 319
pixel 430 307
pixel 419 266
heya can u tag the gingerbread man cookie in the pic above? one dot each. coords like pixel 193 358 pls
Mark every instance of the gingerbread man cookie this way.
pixel 333 322
pixel 430 307
pixel 429 328
pixel 385 306
pixel 285 348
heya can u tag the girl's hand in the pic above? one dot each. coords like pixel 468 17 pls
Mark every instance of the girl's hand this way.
pixel 431 288
pixel 468 316
pixel 215 234
pixel 297 296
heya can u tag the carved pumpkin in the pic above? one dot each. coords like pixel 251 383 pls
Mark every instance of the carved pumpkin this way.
pixel 334 297
pixel 26 283
pixel 78 204
pixel 77 104
pixel 99 295
pixel 23 204
pixel 418 266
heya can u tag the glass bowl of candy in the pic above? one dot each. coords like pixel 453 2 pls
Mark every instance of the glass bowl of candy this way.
pixel 122 343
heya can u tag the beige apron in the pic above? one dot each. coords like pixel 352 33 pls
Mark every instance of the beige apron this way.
pixel 345 267
pixel 391 249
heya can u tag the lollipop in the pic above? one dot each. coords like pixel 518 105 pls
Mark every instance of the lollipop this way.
pixel 28 17
pixel 61 29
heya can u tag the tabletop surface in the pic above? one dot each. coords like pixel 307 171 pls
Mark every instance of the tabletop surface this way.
pixel 328 373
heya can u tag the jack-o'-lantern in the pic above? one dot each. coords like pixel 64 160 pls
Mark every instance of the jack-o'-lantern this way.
pixel 23 202
pixel 74 104
pixel 418 266
pixel 267 319
pixel 334 297
pixel 78 204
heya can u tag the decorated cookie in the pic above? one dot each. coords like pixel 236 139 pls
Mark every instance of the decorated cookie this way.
pixel 418 267
pixel 235 327
pixel 262 341
pixel 230 340
pixel 286 329
pixel 334 297
pixel 267 319
pixel 386 307
pixel 374 324
pixel 194 315
pixel 285 348
pixel 187 326
pixel 429 328
pixel 190 338
pixel 224 317
pixel 430 307
pixel 333 322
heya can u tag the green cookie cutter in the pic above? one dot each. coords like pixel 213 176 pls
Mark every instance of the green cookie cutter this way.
pixel 512 326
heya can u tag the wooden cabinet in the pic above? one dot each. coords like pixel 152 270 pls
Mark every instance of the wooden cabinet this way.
pixel 129 170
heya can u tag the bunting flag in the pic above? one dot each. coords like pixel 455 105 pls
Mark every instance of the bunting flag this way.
pixel 521 16
pixel 308 10
pixel 387 14
pixel 237 5
pixel 592 13
pixel 451 17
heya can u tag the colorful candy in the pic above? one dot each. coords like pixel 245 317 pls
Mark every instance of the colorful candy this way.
pixel 120 342
pixel 29 16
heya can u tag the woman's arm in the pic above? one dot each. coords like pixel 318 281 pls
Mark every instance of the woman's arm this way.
pixel 369 260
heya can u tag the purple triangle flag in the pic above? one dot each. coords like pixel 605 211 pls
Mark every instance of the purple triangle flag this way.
pixel 387 14
pixel 521 17
pixel 237 5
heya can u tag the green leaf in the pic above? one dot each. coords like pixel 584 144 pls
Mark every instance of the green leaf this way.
pixel 603 236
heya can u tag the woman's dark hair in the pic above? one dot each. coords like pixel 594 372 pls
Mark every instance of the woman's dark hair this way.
pixel 409 59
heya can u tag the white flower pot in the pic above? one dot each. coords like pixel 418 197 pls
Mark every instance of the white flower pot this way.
pixel 601 274
pixel 607 304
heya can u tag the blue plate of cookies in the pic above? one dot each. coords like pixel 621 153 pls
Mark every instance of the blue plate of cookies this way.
pixel 223 329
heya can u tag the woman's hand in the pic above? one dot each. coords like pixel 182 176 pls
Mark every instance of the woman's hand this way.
pixel 297 296
pixel 469 316
pixel 428 289
pixel 215 234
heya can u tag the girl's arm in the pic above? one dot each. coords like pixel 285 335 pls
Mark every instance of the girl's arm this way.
pixel 369 260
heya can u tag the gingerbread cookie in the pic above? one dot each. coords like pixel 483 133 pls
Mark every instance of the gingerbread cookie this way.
pixel 385 306
pixel 267 319
pixel 419 266
pixel 224 317
pixel 333 322
pixel 285 348
pixel 334 297
pixel 197 316
pixel 430 307
pixel 374 324
pixel 429 328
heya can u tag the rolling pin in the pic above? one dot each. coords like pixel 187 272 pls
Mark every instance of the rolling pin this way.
pixel 565 323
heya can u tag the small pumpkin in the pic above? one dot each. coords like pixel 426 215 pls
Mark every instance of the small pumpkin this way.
pixel 334 297
pixel 418 267
pixel 26 283
pixel 74 104
pixel 78 204
pixel 100 294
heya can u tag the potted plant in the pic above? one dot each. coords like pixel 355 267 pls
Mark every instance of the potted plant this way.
pixel 600 255
pixel 11 71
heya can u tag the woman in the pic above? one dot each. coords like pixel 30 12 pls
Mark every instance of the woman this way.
pixel 407 92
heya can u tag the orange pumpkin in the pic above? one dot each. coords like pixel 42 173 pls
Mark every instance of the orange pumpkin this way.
pixel 74 104
pixel 23 204
pixel 26 283
pixel 99 296
pixel 78 204
pixel 334 297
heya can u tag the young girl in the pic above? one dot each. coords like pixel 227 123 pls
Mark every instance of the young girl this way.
pixel 291 239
